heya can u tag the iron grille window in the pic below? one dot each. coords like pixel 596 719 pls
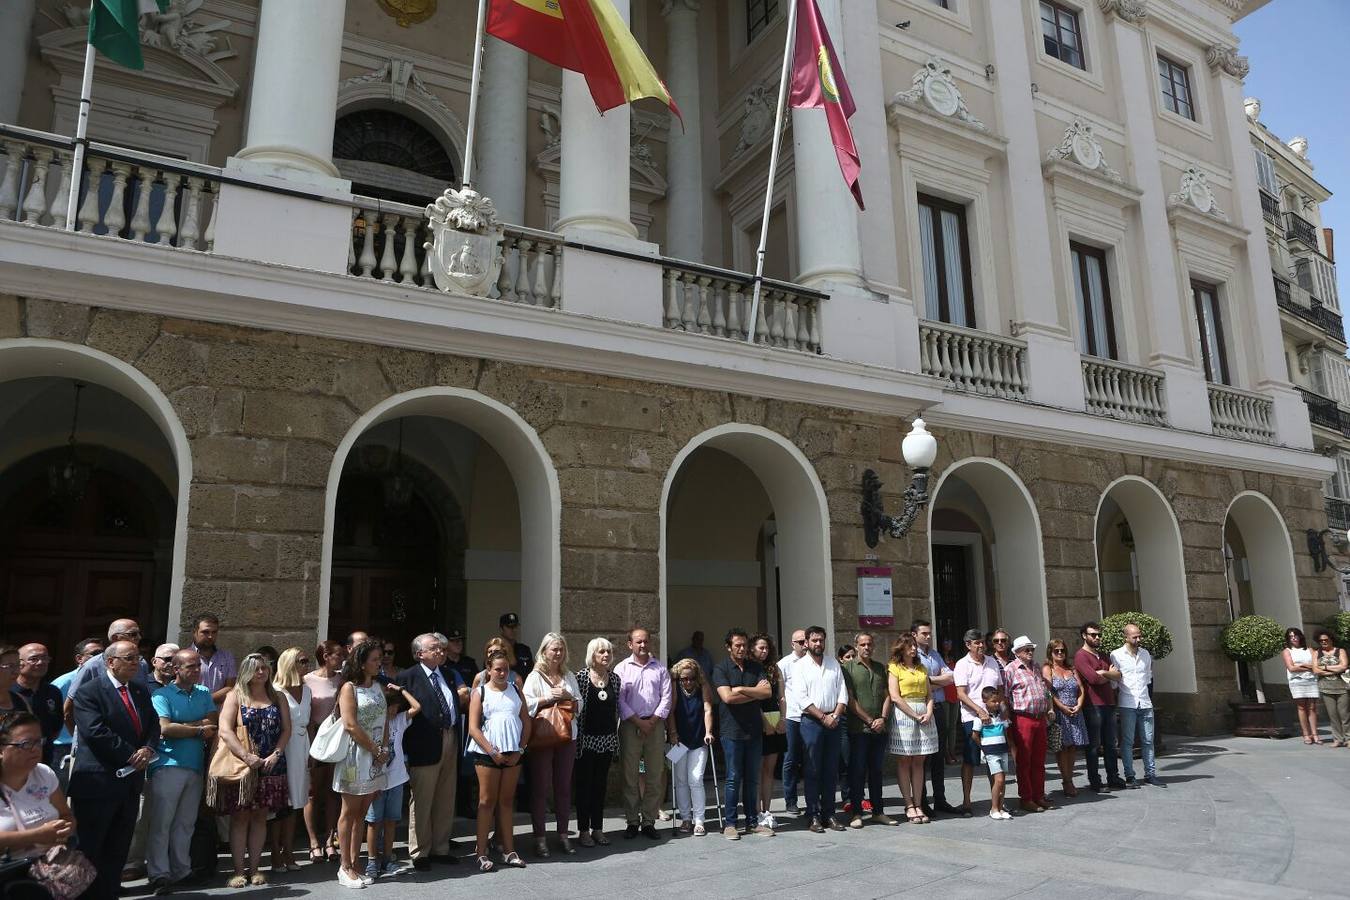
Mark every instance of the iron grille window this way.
pixel 945 246
pixel 758 15
pixel 1175 80
pixel 1062 34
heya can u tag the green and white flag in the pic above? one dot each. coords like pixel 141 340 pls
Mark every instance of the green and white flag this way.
pixel 115 28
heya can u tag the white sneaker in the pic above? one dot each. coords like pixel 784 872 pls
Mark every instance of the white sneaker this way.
pixel 1004 814
pixel 993 814
pixel 348 882
pixel 768 821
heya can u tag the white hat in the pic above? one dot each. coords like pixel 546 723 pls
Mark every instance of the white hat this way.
pixel 1023 641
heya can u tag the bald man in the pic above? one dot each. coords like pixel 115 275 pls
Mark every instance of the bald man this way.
pixel 44 700
pixel 119 630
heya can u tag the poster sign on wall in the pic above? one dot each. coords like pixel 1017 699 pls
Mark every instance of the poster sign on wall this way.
pixel 876 607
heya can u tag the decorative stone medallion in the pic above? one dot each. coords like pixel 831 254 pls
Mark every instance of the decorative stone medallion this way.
pixel 408 12
pixel 1195 192
pixel 465 254
pixel 935 87
pixel 1080 144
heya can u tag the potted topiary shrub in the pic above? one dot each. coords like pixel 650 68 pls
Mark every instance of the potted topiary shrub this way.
pixel 1250 641
pixel 1154 637
pixel 1339 625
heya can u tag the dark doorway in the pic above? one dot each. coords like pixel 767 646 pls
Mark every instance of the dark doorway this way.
pixel 951 592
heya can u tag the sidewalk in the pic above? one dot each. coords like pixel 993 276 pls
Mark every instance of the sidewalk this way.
pixel 1238 818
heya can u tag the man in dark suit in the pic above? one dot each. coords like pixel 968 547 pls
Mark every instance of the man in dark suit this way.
pixel 115 726
pixel 431 748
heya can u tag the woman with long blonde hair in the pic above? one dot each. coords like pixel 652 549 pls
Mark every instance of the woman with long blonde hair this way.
pixel 550 768
pixel 289 682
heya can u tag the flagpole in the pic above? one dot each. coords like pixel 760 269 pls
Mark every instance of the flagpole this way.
pixel 81 135
pixel 473 94
pixel 789 47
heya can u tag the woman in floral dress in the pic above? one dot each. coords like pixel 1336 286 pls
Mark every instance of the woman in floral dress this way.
pixel 362 775
pixel 1066 693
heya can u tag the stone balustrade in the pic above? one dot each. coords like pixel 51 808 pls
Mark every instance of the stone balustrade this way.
pixel 133 196
pixel 974 361
pixel 1241 414
pixel 1122 391
pixel 705 300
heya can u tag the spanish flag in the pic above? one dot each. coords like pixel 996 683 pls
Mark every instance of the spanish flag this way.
pixel 585 36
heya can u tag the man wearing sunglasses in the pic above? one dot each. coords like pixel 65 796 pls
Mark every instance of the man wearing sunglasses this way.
pixel 1099 678
pixel 96 666
pixel 795 753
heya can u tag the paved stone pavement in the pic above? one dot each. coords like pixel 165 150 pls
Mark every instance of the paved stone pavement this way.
pixel 1239 818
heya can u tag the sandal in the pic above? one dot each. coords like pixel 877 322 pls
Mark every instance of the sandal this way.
pixel 316 854
pixel 1307 740
pixel 237 881
pixel 600 837
pixel 513 860
pixel 914 818
pixel 485 864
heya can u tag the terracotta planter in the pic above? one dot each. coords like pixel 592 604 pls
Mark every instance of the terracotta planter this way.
pixel 1267 720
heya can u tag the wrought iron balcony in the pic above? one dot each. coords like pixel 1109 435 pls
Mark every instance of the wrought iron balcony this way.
pixel 1297 228
pixel 1323 412
pixel 1270 208
pixel 1338 513
pixel 1328 321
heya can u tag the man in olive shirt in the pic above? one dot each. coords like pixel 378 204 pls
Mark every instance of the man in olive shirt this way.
pixel 741 684
pixel 869 710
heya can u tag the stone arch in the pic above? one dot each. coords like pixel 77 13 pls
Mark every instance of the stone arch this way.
pixel 530 466
pixel 1161 572
pixel 1269 573
pixel 1019 554
pixel 413 101
pixel 801 514
pixel 38 358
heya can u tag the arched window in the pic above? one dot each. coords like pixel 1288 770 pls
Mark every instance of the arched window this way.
pixel 392 157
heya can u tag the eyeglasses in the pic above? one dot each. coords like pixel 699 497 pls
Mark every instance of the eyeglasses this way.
pixel 1000 640
pixel 136 632
pixel 798 643
pixel 688 678
pixel 30 744
pixel 164 659
pixel 1058 651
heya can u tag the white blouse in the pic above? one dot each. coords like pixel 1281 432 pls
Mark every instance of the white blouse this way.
pixel 537 688
pixel 29 807
pixel 501 719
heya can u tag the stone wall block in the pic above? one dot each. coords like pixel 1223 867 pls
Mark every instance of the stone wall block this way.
pixel 211 506
pixel 406 370
pixel 1062 582
pixel 361 383
pixel 173 362
pixel 11 316
pixel 456 371
pixel 578 487
pixel 598 528
pixel 271 367
pixel 307 464
pixel 263 604
pixel 275 509
pixel 231 555
pixel 593 611
pixel 295 553
pixel 651 452
pixel 625 570
pixel 578 568
pixel 644 609
pixel 125 335
pixel 535 394
pixel 635 410
pixel 56 320
pixel 238 459
pixel 619 489
pixel 199 598
pixel 1199 509
pixel 750 410
pixel 227 412
pixel 279 414
pixel 577 445
pixel 193 406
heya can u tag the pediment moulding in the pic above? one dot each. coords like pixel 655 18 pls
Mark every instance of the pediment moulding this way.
pixel 1221 57
pixel 171 70
pixel 1081 146
pixel 934 88
pixel 180 30
pixel 1132 11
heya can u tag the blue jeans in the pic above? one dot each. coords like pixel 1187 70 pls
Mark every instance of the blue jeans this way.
pixel 867 751
pixel 821 767
pixel 792 763
pixel 1101 725
pixel 1129 717
pixel 742 761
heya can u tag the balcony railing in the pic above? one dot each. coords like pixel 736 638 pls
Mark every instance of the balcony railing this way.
pixel 1241 414
pixel 1122 391
pixel 974 361
pixel 1297 228
pixel 1317 275
pixel 1296 300
pixel 1338 513
pixel 1270 208
pixel 134 196
pixel 706 300
pixel 1324 412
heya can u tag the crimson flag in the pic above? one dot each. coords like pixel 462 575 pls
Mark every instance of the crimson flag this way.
pixel 818 82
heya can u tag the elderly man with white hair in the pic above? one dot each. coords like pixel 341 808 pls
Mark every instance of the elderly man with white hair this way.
pixel 431 747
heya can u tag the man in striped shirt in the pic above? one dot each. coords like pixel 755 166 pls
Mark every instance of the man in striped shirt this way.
pixel 1029 704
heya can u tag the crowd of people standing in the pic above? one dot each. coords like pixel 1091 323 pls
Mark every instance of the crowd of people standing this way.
pixel 155 754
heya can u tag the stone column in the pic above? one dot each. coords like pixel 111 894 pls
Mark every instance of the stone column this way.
pixel 684 161
pixel 1053 361
pixel 1269 375
pixel 15 38
pixel 293 99
pixel 828 247
pixel 502 122
pixel 1161 289
pixel 594 193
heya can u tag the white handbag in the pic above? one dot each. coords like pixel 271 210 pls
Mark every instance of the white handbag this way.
pixel 331 741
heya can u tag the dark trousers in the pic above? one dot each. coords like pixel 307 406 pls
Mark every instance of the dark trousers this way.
pixel 792 763
pixel 742 761
pixel 1101 724
pixel 592 777
pixel 821 768
pixel 866 753
pixel 105 823
pixel 936 765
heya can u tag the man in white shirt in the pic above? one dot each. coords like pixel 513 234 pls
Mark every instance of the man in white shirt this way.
pixel 1135 705
pixel 792 757
pixel 821 697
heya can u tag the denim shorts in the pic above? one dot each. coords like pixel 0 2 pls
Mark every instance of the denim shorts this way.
pixel 970 751
pixel 998 762
pixel 387 806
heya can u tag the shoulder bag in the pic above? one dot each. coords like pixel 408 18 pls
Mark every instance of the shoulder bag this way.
pixel 331 740
pixel 226 768
pixel 63 871
pixel 553 724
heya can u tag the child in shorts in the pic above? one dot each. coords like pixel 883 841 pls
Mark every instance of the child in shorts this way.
pixel 994 746
pixel 386 811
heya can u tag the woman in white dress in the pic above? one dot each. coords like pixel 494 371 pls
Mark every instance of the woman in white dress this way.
pixel 1298 666
pixel 499 731
pixel 362 774
pixel 289 682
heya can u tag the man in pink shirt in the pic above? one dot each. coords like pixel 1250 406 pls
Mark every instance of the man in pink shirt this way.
pixel 972 674
pixel 644 704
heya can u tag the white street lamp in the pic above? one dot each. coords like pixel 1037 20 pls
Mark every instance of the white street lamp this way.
pixel 920 451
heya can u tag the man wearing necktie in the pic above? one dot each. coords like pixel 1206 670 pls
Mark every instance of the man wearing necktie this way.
pixel 431 747
pixel 115 726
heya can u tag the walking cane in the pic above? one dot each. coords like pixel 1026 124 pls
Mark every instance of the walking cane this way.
pixel 717 794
